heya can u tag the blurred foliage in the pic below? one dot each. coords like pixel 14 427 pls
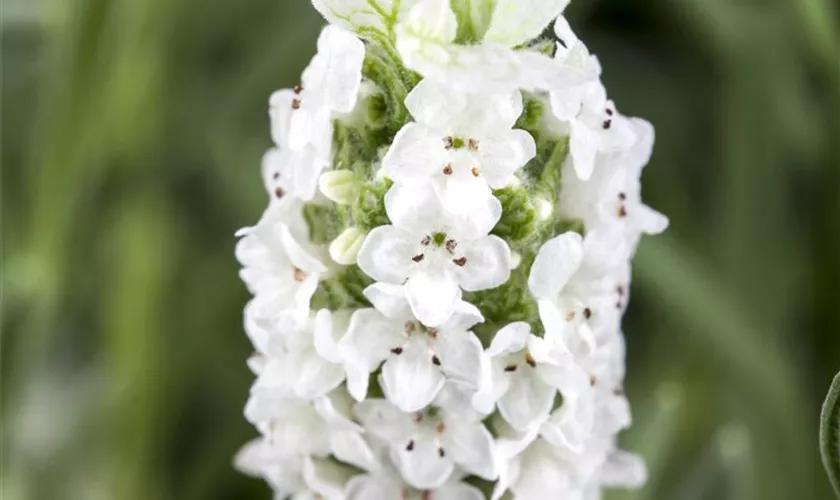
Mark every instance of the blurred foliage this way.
pixel 132 133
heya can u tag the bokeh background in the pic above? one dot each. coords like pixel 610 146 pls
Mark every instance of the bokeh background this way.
pixel 131 138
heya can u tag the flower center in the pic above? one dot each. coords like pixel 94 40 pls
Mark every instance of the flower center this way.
pixel 519 360
pixel 440 248
pixel 430 425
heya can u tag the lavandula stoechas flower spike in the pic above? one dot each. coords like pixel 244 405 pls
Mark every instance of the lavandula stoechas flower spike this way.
pixel 435 314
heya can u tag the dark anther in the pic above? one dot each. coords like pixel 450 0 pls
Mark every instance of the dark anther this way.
pixel 418 257
pixel 530 361
pixel 441 453
pixel 451 245
pixel 610 112
pixel 607 124
pixel 460 262
pixel 298 89
pixel 472 145
pixel 448 142
pixel 295 103
pixel 622 196
pixel 587 313
pixel 510 368
pixel 397 350
pixel 622 211
pixel 279 192
pixel 426 240
pixel 435 360
pixel 447 170
pixel 410 446
pixel 275 176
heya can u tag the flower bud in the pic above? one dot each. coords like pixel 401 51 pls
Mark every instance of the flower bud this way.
pixel 345 248
pixel 340 186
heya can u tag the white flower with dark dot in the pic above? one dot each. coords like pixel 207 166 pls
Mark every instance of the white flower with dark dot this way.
pixel 428 444
pixel 306 363
pixel 301 118
pixel 591 118
pixel 417 359
pixel 522 377
pixel 278 270
pixel 461 143
pixel 433 254
pixel 613 193
pixel 293 476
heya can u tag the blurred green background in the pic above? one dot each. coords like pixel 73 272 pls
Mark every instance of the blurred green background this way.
pixel 131 138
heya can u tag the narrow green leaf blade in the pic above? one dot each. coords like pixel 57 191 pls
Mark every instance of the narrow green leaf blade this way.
pixel 830 434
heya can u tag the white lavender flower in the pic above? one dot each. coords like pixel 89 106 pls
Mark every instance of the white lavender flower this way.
pixel 440 275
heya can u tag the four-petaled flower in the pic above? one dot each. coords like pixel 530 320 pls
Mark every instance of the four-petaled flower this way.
pixel 522 376
pixel 433 254
pixel 462 144
pixel 428 444
pixel 417 359
pixel 278 270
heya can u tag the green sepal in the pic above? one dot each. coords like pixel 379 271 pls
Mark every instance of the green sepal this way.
pixel 325 222
pixel 519 216
pixel 369 208
pixel 474 18
pixel 508 303
pixel 343 290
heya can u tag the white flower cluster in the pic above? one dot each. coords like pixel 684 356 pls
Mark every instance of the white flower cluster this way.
pixel 435 315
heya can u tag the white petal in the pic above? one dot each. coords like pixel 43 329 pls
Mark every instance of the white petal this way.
pixel 336 409
pixel 458 491
pixel 414 209
pixel 510 339
pixel 570 426
pixel 518 21
pixel 543 476
pixel 460 355
pixel 465 317
pixel 471 447
pixel 492 385
pixel 648 220
pixel 386 254
pixel 325 478
pixel 502 156
pixel 433 297
pixel 583 146
pixel 423 467
pixel 436 106
pixel 488 263
pixel 557 261
pixel 367 487
pixel 389 300
pixel 344 54
pixel 471 208
pixel 441 108
pixel 369 339
pixel 527 402
pixel 624 470
pixel 411 380
pixel 351 448
pixel 385 421
pixel 299 257
pixel 324 338
pixel 416 154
